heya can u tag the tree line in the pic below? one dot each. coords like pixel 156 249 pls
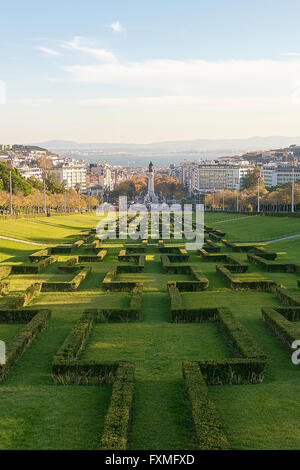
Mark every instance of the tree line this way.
pixel 274 198
pixel 28 195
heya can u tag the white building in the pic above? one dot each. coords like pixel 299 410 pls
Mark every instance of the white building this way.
pixel 28 172
pixel 274 176
pixel 72 176
pixel 198 176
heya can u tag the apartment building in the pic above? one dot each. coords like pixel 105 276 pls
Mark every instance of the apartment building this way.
pixel 274 176
pixel 28 172
pixel 72 176
pixel 199 176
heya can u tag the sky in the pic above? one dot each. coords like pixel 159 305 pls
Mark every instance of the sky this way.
pixel 138 71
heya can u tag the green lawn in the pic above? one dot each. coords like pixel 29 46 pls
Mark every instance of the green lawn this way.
pixel 37 414
pixel 252 228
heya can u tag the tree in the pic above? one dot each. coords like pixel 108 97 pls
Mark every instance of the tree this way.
pixel 251 179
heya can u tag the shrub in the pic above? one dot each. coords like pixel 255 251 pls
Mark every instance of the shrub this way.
pixel 271 266
pixel 237 336
pixel 236 283
pixel 34 268
pixel 286 297
pixel 109 283
pixel 118 416
pixel 39 255
pixel 67 248
pixel 233 371
pixel 24 338
pixel 75 341
pixel 23 299
pixel 206 423
pixel 67 286
pixel 4 288
pixel 93 259
pixel 285 330
pixel 5 271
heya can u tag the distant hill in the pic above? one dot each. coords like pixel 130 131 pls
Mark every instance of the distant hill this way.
pixel 164 153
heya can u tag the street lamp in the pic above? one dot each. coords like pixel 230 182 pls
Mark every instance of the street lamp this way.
pixel 78 187
pixel 223 191
pixel 64 184
pixel 258 202
pixel 10 167
pixel 293 190
pixel 45 197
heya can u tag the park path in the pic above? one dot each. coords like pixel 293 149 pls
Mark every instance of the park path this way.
pixel 24 241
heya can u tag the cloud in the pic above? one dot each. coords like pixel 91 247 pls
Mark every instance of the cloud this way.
pixel 117 27
pixel 77 44
pixel 48 51
pixel 213 80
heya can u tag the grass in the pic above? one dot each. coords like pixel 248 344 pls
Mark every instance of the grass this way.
pixel 253 228
pixel 36 414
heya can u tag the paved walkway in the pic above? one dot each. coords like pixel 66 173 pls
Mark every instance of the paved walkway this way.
pixel 23 241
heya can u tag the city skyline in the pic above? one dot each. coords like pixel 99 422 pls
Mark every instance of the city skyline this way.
pixel 138 73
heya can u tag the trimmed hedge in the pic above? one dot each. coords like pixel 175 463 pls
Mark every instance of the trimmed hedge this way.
pixel 285 330
pixel 5 271
pixel 39 255
pixel 70 265
pixel 271 266
pixel 237 336
pixel 136 268
pixel 199 282
pixel 23 339
pixel 67 370
pixel 182 315
pixel 233 371
pixel 212 256
pixel 67 248
pixel 135 249
pixel 131 314
pixel 34 268
pixel 236 283
pixel 4 288
pixel 211 247
pixel 93 259
pixel 74 343
pixel 109 284
pixel 117 419
pixel 12 316
pixel 206 423
pixel 67 286
pixel 263 253
pixel 286 297
pixel 23 299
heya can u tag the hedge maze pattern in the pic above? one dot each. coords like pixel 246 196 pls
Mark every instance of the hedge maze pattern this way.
pixel 246 366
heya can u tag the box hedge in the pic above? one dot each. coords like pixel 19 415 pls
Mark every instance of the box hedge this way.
pixel 236 283
pixel 67 286
pixel 284 329
pixel 5 271
pixel 24 338
pixel 4 288
pixel 206 423
pixel 93 258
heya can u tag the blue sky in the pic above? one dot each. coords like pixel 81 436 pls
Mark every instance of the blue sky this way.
pixel 141 71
